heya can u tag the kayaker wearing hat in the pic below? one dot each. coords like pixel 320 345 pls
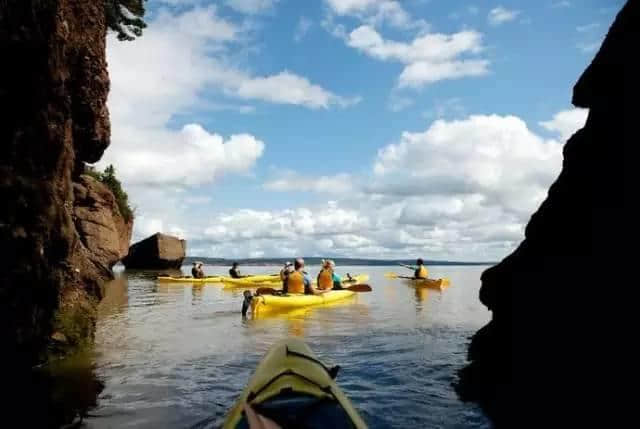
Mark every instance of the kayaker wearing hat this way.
pixel 298 281
pixel 284 272
pixel 197 271
pixel 327 277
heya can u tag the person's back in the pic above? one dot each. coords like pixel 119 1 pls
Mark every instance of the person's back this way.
pixel 297 281
pixel 325 279
pixel 199 272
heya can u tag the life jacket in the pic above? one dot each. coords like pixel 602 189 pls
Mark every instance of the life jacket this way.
pixel 295 282
pixel 325 279
pixel 421 272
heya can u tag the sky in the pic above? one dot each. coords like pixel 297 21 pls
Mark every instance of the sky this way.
pixel 354 128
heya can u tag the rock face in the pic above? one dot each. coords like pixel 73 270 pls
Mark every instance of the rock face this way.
pixel 54 119
pixel 159 251
pixel 524 363
pixel 101 227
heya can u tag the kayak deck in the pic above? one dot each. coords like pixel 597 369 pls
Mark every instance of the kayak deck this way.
pixel 294 389
pixel 266 303
pixel 211 279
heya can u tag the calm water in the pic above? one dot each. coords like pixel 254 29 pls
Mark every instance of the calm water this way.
pixel 178 355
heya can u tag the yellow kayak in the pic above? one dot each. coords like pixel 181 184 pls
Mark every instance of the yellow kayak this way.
pixel 211 279
pixel 252 281
pixel 293 388
pixel 355 280
pixel 266 303
pixel 440 284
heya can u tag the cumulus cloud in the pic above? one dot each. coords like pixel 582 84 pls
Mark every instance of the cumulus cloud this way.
pixel 428 58
pixel 251 7
pixel 500 15
pixel 291 181
pixel 566 122
pixel 376 12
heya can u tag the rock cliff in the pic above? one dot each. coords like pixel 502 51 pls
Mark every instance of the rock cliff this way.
pixel 53 91
pixel 525 364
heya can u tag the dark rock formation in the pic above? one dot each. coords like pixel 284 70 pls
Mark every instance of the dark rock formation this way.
pixel 159 251
pixel 53 91
pixel 525 366
pixel 101 227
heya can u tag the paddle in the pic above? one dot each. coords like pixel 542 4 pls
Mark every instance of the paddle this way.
pixel 407 266
pixel 354 288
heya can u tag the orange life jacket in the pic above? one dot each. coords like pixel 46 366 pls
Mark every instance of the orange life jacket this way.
pixel 295 282
pixel 325 279
pixel 421 272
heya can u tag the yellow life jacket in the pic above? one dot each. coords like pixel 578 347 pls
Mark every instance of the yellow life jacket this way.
pixel 422 272
pixel 295 282
pixel 325 279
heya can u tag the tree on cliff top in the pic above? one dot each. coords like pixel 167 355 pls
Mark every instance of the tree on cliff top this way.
pixel 109 179
pixel 125 17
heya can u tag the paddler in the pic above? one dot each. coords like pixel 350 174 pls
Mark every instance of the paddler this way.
pixel 284 272
pixel 298 281
pixel 234 272
pixel 327 277
pixel 420 270
pixel 197 272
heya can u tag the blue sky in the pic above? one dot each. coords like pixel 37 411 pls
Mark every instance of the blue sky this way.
pixel 374 128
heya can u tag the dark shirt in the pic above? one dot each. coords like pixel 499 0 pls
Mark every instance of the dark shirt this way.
pixel 234 273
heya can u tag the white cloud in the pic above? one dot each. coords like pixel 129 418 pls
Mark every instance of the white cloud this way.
pixel 398 103
pixel 375 12
pixel 251 7
pixel 500 15
pixel 566 122
pixel 587 27
pixel 291 181
pixel 461 189
pixel 589 48
pixel 428 58
pixel 191 156
pixel 303 27
pixel 289 88
pixel 496 157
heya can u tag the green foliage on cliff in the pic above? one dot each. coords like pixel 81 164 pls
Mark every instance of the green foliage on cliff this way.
pixel 125 17
pixel 109 179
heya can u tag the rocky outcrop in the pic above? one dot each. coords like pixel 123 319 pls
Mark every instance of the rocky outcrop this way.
pixel 101 227
pixel 53 91
pixel 159 251
pixel 525 364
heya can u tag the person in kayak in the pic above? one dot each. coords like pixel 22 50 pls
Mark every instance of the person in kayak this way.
pixel 420 271
pixel 298 281
pixel 234 272
pixel 327 277
pixel 284 272
pixel 196 271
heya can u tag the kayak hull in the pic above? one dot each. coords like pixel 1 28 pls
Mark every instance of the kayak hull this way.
pixel 439 284
pixel 253 281
pixel 288 374
pixel 269 303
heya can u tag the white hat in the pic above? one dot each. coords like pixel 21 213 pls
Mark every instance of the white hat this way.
pixel 288 263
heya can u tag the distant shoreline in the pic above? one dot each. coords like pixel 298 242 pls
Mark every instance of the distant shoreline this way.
pixel 317 261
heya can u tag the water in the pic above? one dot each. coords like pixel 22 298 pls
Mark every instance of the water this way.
pixel 178 355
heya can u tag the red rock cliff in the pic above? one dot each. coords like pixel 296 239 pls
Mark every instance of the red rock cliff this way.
pixel 53 91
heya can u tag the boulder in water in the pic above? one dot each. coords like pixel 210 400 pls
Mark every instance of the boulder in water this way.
pixel 159 251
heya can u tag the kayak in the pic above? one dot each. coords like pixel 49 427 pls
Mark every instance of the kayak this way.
pixel 253 281
pixel 211 279
pixel 266 303
pixel 440 284
pixel 294 389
